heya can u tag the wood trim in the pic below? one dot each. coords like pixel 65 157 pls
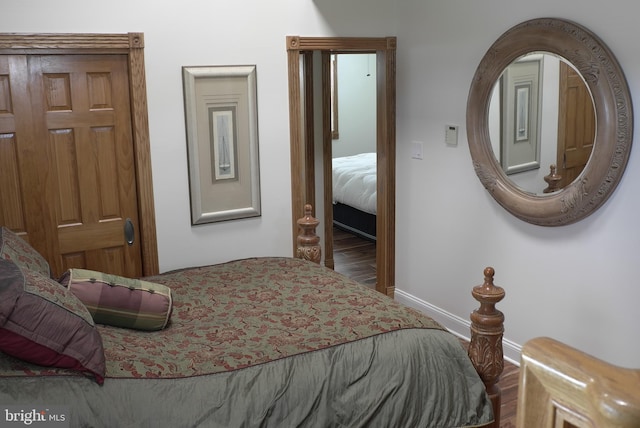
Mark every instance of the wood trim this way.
pixel 327 156
pixel 298 197
pixel 340 44
pixel 131 44
pixel 309 128
pixel 386 161
pixel 142 153
pixel 39 43
pixel 386 144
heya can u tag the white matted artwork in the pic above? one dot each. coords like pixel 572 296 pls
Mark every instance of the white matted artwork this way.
pixel 222 142
pixel 521 102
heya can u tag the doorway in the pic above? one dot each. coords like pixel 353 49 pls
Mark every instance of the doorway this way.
pixel 301 113
pixel 354 174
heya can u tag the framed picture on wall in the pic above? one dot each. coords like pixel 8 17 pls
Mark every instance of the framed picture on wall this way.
pixel 222 142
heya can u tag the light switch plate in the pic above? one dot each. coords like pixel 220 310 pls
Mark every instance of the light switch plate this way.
pixel 451 135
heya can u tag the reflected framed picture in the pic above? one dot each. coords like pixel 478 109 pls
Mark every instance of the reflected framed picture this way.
pixel 221 116
pixel 522 112
pixel 521 87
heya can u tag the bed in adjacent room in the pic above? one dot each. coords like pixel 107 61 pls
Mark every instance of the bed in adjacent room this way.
pixel 354 193
pixel 267 341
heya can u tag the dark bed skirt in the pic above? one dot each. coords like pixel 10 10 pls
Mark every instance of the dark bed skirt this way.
pixel 355 221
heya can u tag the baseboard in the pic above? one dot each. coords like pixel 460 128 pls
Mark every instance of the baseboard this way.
pixel 456 325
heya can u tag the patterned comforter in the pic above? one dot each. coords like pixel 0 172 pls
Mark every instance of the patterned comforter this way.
pixel 268 342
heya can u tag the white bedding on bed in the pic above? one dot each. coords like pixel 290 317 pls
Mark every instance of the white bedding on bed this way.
pixel 354 181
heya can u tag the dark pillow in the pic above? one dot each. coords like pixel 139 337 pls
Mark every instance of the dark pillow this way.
pixel 16 249
pixel 119 301
pixel 41 322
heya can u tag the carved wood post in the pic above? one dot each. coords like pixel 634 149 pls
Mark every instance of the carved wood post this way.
pixel 485 349
pixel 308 241
pixel 553 180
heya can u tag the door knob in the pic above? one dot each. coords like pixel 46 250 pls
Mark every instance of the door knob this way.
pixel 129 232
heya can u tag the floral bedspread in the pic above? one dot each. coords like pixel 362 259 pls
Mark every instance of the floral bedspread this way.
pixel 246 312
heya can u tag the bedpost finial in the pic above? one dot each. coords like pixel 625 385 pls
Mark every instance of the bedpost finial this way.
pixel 489 272
pixel 488 292
pixel 308 242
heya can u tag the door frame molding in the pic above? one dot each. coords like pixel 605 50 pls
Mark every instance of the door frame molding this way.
pixel 132 45
pixel 302 154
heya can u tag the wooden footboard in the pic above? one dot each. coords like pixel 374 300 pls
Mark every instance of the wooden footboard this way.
pixel 487 323
pixel 563 387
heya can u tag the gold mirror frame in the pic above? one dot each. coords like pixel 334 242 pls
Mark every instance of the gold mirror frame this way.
pixel 614 121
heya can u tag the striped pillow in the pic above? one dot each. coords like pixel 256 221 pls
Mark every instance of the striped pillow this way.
pixel 119 301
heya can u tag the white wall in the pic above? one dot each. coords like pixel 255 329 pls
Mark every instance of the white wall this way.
pixel 206 32
pixel 577 283
pixel 356 105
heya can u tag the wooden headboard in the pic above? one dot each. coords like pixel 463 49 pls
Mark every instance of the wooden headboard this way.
pixel 561 387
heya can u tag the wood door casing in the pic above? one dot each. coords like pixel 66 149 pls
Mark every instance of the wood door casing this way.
pixel 130 48
pixel 302 149
pixel 576 125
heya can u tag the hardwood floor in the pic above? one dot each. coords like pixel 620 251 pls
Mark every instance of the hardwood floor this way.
pixel 356 258
pixel 509 385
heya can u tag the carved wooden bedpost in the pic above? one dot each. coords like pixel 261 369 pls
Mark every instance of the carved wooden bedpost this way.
pixel 308 241
pixel 485 349
pixel 553 180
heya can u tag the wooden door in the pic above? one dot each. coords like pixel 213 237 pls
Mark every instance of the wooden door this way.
pixel 576 125
pixel 73 149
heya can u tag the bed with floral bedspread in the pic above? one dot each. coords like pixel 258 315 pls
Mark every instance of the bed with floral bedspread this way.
pixel 271 341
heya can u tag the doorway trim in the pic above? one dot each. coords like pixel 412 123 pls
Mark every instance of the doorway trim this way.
pixel 299 53
pixel 132 45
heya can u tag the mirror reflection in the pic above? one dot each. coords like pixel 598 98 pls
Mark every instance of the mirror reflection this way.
pixel 541 122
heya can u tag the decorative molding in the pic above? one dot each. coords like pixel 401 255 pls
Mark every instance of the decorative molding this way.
pixel 342 44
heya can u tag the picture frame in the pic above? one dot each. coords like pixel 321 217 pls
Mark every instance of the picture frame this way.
pixel 221 118
pixel 521 87
pixel 522 117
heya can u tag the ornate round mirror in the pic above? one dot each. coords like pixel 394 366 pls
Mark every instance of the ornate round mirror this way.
pixel 581 52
